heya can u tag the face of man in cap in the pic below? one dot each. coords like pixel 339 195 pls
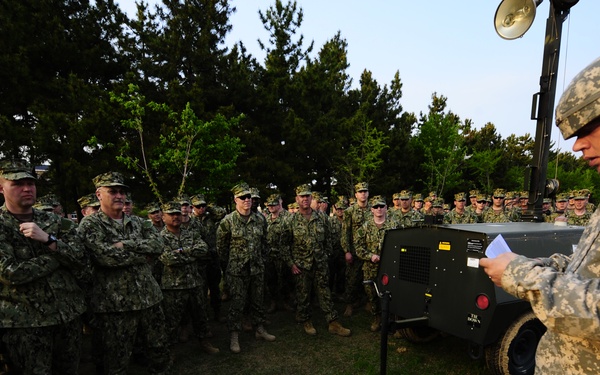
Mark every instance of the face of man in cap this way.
pixel 112 200
pixel 304 202
pixel 19 195
pixel 155 217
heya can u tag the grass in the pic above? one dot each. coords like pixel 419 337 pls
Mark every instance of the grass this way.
pixel 296 353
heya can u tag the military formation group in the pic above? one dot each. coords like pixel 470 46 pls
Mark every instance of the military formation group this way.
pixel 141 285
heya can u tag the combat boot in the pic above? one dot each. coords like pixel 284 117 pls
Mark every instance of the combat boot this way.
pixel 207 347
pixel 309 329
pixel 348 311
pixel 335 328
pixel 261 333
pixel 234 345
pixel 376 324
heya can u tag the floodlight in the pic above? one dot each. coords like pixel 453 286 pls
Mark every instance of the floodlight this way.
pixel 514 17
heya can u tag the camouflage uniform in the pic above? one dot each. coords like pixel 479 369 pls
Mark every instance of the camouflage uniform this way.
pixel 181 282
pixel 125 295
pixel 492 216
pixel 408 219
pixel 242 246
pixel 455 217
pixel 309 246
pixel 563 290
pixel 354 217
pixel 581 220
pixel 368 241
pixel 337 263
pixel 279 278
pixel 40 301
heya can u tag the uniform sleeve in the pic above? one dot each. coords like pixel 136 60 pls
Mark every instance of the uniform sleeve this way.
pixel 360 243
pixel 150 242
pixel 565 302
pixel 224 240
pixel 346 238
pixel 101 250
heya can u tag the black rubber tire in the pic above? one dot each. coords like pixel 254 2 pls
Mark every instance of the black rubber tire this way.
pixel 419 334
pixel 514 352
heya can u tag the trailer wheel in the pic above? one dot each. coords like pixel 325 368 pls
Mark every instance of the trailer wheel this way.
pixel 514 352
pixel 419 334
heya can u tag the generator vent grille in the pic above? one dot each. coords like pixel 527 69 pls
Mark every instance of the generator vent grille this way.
pixel 414 264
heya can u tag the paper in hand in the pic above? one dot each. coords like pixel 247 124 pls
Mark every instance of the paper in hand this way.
pixel 497 247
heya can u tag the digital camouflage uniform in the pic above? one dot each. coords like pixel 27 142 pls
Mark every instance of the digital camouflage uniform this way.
pixel 181 282
pixel 581 220
pixel 309 246
pixel 492 216
pixel 408 219
pixel 40 301
pixel 369 241
pixel 242 246
pixel 125 295
pixel 279 278
pixel 337 263
pixel 354 217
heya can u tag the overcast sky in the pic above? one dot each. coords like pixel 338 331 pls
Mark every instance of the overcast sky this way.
pixel 448 47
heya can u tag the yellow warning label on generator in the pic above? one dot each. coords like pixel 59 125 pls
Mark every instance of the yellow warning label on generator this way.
pixel 444 245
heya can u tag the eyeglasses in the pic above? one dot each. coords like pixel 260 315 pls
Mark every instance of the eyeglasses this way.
pixel 245 197
pixel 404 199
pixel 377 206
pixel 498 197
pixel 200 206
pixel 480 201
pixel 112 191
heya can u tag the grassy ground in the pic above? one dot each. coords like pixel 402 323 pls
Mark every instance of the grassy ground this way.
pixel 296 353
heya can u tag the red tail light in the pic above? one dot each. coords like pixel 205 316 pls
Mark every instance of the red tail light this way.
pixel 482 302
pixel 385 279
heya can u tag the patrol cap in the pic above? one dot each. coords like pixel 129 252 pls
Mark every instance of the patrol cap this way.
pixel 171 207
pixel 432 194
pixel 128 198
pixel 446 206
pixel 361 186
pixel 273 200
pixel 481 197
pixel 254 193
pixel 500 193
pixel 324 199
pixel 524 195
pixel 418 197
pixel 109 179
pixel 580 103
pixel 240 189
pixel 460 196
pixel 89 200
pixel 43 204
pixel 579 194
pixel 52 199
pixel 437 203
pixel 377 200
pixel 473 193
pixel 547 200
pixel 304 189
pixel 562 197
pixel 182 199
pixel 153 207
pixel 405 194
pixel 290 206
pixel 11 169
pixel 341 204
pixel 509 195
pixel 316 196
pixel 197 199
pixel 396 196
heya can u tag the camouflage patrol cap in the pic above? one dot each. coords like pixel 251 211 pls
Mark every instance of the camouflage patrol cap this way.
pixel 377 200
pixel 316 196
pixel 446 206
pixel 11 169
pixel 547 200
pixel 343 198
pixel 109 179
pixel 473 193
pixel 128 198
pixel 324 199
pixel 197 200
pixel 481 197
pixel 290 206
pixel 579 194
pixel 405 194
pixel 89 200
pixel 341 204
pixel 509 195
pixel 183 199
pixel 432 194
pixel 500 193
pixel 153 207
pixel 396 196
pixel 273 200
pixel 254 193
pixel 240 189
pixel 562 197
pixel 52 199
pixel 304 189
pixel 580 103
pixel 361 186
pixel 43 204
pixel 171 207
pixel 460 196
pixel 587 192
pixel 418 197
pixel 524 195
pixel 437 203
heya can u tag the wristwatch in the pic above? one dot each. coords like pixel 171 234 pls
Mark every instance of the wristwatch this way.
pixel 51 239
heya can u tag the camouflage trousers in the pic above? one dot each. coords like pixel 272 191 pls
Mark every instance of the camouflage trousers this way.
pixel 354 278
pixel 318 277
pixel 370 273
pixel 118 332
pixel 278 280
pixel 46 350
pixel 246 290
pixel 177 303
